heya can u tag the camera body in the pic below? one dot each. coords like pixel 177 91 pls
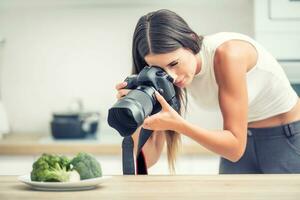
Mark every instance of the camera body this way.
pixel 129 112
pixel 152 77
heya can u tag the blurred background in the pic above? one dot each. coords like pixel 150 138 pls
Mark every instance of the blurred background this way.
pixel 62 57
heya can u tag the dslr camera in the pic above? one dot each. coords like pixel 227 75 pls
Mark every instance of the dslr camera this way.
pixel 129 112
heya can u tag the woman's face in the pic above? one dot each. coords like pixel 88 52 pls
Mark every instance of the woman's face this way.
pixel 182 64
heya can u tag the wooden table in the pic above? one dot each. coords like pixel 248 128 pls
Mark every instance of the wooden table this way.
pixel 210 187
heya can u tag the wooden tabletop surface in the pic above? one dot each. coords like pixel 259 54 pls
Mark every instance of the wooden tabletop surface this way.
pixel 189 187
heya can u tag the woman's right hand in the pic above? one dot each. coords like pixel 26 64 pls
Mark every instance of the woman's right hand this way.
pixel 121 91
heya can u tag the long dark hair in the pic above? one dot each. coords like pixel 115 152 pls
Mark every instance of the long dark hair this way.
pixel 159 32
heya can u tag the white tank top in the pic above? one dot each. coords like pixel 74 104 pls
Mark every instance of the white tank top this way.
pixel 269 90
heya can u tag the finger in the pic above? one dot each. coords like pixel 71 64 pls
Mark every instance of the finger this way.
pixel 118 96
pixel 164 104
pixel 153 119
pixel 121 85
pixel 148 120
pixel 146 123
pixel 122 93
pixel 145 126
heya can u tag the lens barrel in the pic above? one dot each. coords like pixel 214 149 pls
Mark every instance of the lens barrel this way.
pixel 130 111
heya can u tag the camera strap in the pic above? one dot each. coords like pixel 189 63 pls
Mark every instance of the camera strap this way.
pixel 128 146
pixel 127 154
pixel 141 165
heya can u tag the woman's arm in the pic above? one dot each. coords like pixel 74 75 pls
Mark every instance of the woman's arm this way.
pixel 232 59
pixel 152 148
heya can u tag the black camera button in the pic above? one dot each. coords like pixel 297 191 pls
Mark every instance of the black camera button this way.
pixel 170 79
pixel 160 73
pixel 161 91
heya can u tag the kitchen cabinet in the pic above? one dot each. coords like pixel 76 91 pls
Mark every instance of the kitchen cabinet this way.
pixel 280 186
pixel 35 144
pixel 19 151
pixel 112 164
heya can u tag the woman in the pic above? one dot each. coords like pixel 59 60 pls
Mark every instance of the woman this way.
pixel 226 71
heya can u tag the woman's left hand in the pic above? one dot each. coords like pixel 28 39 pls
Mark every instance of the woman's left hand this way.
pixel 166 119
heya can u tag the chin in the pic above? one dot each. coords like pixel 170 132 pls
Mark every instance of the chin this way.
pixel 187 83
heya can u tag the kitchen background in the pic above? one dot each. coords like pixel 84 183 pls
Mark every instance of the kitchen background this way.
pixel 69 54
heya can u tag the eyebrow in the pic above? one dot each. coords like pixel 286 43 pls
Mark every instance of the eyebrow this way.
pixel 173 62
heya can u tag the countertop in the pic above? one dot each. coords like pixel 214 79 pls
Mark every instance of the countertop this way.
pixel 107 144
pixel 190 187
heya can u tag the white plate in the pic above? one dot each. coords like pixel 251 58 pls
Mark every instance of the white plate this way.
pixel 63 186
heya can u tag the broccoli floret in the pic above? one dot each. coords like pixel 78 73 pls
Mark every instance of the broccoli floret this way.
pixel 51 168
pixel 65 161
pixel 55 168
pixel 86 165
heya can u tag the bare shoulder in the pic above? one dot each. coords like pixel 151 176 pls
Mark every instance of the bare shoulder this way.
pixel 235 53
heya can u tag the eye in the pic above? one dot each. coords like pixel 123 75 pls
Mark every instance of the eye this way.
pixel 173 64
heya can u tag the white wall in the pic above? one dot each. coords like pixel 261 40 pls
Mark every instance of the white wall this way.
pixel 58 50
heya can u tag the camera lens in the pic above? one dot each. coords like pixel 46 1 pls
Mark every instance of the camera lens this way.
pixel 130 111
